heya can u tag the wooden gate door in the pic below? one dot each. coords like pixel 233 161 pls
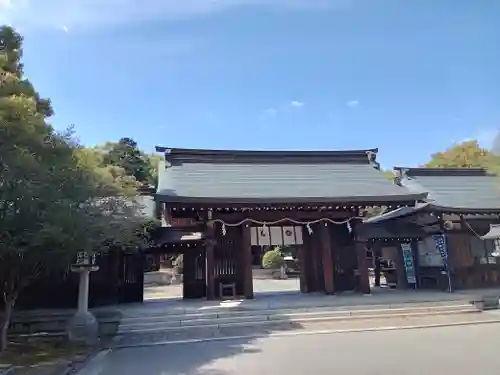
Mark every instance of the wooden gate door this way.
pixel 344 258
pixel 131 278
pixel 194 285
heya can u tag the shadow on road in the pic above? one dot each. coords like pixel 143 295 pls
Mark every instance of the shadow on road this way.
pixel 191 357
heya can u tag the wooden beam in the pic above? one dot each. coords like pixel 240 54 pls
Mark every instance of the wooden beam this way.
pixel 234 217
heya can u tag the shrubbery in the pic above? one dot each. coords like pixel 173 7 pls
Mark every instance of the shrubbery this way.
pixel 273 259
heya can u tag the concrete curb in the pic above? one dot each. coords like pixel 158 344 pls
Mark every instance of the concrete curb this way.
pixel 76 366
pixel 316 332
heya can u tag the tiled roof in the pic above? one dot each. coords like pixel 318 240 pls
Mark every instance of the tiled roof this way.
pixel 275 176
pixel 466 188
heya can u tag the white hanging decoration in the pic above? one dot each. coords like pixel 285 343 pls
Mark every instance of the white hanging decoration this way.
pixel 264 228
pixel 308 224
pixel 309 229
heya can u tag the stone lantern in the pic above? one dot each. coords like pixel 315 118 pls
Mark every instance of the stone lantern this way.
pixel 83 327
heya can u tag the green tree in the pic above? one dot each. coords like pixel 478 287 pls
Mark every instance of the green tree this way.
pixel 54 198
pixel 467 154
pixel 108 176
pixel 126 154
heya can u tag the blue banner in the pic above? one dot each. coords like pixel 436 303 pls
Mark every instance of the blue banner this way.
pixel 440 241
pixel 411 276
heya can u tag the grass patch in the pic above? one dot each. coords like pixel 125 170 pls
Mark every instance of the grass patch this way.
pixel 31 352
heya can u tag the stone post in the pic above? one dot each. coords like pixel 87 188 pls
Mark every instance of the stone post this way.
pixel 83 327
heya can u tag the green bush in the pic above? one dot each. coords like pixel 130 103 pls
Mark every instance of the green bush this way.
pixel 179 264
pixel 272 259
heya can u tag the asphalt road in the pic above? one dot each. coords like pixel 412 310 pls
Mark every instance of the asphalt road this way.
pixel 461 350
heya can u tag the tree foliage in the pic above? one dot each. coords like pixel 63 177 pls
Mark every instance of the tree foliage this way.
pixel 56 197
pixel 467 154
pixel 126 155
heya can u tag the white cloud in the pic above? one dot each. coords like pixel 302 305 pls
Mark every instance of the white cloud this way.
pixel 297 104
pixel 65 29
pixel 268 114
pixel 105 13
pixel 353 103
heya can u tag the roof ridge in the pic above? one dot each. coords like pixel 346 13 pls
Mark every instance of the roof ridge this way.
pixel 365 156
pixel 445 172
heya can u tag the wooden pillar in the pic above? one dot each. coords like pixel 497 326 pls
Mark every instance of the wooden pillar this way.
pixel 400 268
pixel 318 258
pixel 310 263
pixel 303 269
pixel 209 258
pixel 246 261
pixel 364 278
pixel 315 264
pixel 377 254
pixel 326 250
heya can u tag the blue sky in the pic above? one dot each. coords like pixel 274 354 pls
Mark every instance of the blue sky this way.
pixel 407 76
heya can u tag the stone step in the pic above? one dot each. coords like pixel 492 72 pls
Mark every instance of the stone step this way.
pixel 230 310
pixel 241 314
pixel 311 327
pixel 198 321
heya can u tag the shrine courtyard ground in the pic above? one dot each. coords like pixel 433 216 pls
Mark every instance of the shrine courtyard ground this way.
pixel 459 350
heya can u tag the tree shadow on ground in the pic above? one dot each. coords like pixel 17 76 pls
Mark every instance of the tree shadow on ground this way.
pixel 195 358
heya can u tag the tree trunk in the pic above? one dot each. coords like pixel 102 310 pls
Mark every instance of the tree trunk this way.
pixel 5 322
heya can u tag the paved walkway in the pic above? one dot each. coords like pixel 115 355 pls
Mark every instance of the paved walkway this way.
pixel 285 300
pixel 291 285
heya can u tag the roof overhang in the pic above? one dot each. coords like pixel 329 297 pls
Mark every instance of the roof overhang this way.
pixel 430 207
pixel 389 232
pixel 493 234
pixel 404 198
pixel 172 235
pixel 397 214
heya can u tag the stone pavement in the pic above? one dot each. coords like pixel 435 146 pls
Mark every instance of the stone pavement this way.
pixel 379 296
pixel 291 285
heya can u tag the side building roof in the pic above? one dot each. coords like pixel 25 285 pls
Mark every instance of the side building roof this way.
pixel 230 176
pixel 467 189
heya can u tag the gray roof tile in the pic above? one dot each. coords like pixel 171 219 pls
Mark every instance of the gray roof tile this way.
pixel 468 188
pixel 275 176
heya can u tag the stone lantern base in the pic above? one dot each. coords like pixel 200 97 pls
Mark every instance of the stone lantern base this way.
pixel 83 328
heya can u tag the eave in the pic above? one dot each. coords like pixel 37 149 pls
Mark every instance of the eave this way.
pixel 407 199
